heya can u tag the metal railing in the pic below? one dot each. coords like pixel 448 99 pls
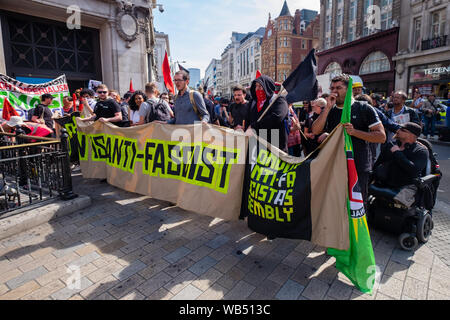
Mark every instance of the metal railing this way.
pixel 434 43
pixel 33 170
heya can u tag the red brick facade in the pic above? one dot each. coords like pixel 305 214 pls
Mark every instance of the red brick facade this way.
pixel 351 55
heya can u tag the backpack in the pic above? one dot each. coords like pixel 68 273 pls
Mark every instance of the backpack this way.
pixel 158 111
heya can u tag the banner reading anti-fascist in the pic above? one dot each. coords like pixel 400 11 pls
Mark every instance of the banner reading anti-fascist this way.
pixel 198 167
pixel 24 96
pixel 285 197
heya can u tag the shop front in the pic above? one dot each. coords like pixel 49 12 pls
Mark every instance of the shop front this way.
pixel 430 78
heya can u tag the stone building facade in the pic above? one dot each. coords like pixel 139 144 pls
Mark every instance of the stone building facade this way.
pixel 423 58
pixel 114 41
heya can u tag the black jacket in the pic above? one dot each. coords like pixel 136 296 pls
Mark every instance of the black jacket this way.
pixel 274 120
pixel 401 167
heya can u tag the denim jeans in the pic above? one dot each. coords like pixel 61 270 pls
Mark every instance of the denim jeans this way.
pixel 429 122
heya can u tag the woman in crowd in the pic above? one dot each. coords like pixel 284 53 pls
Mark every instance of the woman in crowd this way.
pixel 309 141
pixel 294 139
pixel 134 104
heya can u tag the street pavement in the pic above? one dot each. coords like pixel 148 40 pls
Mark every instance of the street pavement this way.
pixel 128 246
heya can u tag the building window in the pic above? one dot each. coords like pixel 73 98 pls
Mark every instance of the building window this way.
pixel 334 68
pixel 352 13
pixel 385 3
pixel 328 23
pixel 438 23
pixel 251 51
pixel 351 34
pixel 417 25
pixel 285 60
pixel 386 20
pixel 330 4
pixel 338 39
pixel 339 18
pixel 367 4
pixel 303 44
pixel 375 62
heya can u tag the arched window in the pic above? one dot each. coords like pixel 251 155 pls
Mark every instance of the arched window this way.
pixel 334 68
pixel 375 62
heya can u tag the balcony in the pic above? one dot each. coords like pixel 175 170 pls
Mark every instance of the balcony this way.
pixel 434 43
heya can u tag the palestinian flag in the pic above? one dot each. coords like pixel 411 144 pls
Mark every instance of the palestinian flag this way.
pixel 288 197
pixel 358 262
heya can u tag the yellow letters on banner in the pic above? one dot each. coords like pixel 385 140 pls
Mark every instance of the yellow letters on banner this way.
pixel 195 163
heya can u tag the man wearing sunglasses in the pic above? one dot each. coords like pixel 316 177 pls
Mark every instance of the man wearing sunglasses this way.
pixel 106 109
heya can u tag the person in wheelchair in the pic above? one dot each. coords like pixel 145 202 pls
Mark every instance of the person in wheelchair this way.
pixel 402 160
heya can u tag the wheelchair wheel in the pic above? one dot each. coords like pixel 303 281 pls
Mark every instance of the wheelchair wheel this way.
pixel 408 242
pixel 424 227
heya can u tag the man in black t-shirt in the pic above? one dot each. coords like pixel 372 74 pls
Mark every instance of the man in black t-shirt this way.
pixel 239 109
pixel 42 113
pixel 365 126
pixel 106 110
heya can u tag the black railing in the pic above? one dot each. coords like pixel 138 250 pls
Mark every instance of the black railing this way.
pixel 434 43
pixel 33 170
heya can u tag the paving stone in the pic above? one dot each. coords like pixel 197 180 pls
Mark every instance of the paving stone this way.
pixel 304 247
pixel 177 254
pixel 215 292
pixel 26 277
pixel 419 272
pixel 396 270
pixel 381 258
pixel 303 274
pixel 112 246
pixel 188 293
pixel 415 289
pixel 340 290
pixel 294 259
pixel 290 290
pixel 11 274
pixel 265 290
pixel 402 256
pixel 203 265
pixel 130 270
pixel 200 253
pixel 207 279
pixel 175 269
pixel 126 286
pixel 180 282
pixel 434 295
pixel 218 241
pixel 440 284
pixel 21 291
pixel 62 252
pixel 105 271
pixel 160 294
pixel 316 289
pixel 133 296
pixel 68 292
pixel 154 283
pixel 281 273
pixel 226 263
pixel 230 279
pixel 391 287
pixel 381 296
pixel 3 289
pixel 84 260
pixel 240 291
pixel 99 288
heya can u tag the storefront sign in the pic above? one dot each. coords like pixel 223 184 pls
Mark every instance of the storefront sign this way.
pixel 430 72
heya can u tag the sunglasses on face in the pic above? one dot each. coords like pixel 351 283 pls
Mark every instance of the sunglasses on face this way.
pixel 102 92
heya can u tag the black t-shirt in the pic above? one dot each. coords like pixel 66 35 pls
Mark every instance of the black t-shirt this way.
pixel 363 117
pixel 106 109
pixel 239 112
pixel 41 108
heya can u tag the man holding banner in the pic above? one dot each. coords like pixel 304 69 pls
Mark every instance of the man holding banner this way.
pixel 42 113
pixel 365 126
pixel 106 110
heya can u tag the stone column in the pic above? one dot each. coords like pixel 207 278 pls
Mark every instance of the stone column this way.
pixel 2 54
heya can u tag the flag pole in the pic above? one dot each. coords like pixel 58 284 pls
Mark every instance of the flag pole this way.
pixel 282 90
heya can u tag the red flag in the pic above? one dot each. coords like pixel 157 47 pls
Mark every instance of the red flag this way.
pixel 131 85
pixel 8 110
pixel 258 74
pixel 209 92
pixel 74 102
pixel 166 73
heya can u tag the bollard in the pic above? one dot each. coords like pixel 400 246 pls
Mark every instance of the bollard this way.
pixel 66 192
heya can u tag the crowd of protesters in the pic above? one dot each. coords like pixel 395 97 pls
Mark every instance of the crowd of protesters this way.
pixel 375 121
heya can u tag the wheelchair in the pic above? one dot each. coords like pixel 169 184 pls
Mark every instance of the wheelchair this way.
pixel 412 223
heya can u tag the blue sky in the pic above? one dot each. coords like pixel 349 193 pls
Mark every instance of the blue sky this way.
pixel 199 30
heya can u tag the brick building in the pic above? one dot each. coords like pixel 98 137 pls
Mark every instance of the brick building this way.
pixel 287 41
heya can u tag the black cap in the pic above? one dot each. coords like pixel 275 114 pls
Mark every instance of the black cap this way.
pixel 412 127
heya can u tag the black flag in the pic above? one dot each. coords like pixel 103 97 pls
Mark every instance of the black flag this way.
pixel 183 68
pixel 205 86
pixel 301 84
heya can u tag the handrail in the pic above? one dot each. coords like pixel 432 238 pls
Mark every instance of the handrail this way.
pixel 25 136
pixel 33 144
